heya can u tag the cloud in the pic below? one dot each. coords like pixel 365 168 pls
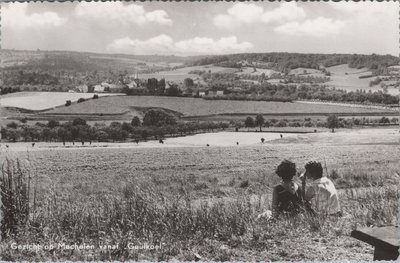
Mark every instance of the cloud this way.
pixel 318 27
pixel 285 12
pixel 242 13
pixel 15 16
pixel 365 8
pixel 164 44
pixel 368 12
pixel 118 11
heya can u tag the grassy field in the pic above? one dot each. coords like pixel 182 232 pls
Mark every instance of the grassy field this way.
pixel 344 77
pixel 38 101
pixel 258 72
pixel 307 71
pixel 205 200
pixel 178 75
pixel 200 107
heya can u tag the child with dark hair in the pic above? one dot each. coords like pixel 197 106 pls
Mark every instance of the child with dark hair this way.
pixel 322 193
pixel 286 197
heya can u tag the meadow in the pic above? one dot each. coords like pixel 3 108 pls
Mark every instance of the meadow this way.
pixel 39 101
pixel 307 72
pixel 179 74
pixel 200 107
pixel 203 201
pixel 344 77
pixel 258 72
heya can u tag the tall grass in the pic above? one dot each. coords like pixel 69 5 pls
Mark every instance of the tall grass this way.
pixel 144 215
pixel 15 196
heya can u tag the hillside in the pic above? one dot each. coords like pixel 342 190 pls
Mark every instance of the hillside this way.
pixel 83 61
pixel 286 61
pixel 199 107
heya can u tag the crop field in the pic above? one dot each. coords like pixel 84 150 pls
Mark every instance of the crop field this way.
pixel 201 107
pixel 38 101
pixel 233 182
pixel 351 80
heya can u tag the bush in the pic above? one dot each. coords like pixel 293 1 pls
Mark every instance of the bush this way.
pixel 78 121
pixel 95 96
pixel 158 118
pixel 68 103
pixel 294 124
pixel 12 125
pixel 81 100
pixel 135 121
pixel 52 124
pixel 281 123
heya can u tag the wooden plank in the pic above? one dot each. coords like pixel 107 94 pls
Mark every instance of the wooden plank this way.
pixel 385 237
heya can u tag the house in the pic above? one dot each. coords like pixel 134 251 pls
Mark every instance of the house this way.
pixel 220 93
pixel 202 93
pixel 393 70
pixel 82 88
pixel 134 84
pixel 99 88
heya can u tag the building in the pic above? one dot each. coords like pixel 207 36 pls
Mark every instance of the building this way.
pixel 394 70
pixel 134 84
pixel 99 88
pixel 82 88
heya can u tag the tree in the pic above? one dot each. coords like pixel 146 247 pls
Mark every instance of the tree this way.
pixel 135 121
pixel 95 96
pixel 68 103
pixel 158 118
pixel 249 122
pixel 52 123
pixel 127 127
pixel 259 120
pixel 78 121
pixel 384 120
pixel 12 125
pixel 173 91
pixel 161 86
pixel 332 122
pixel 188 82
pixel 152 85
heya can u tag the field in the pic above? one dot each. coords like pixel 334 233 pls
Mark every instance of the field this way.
pixel 307 71
pixel 204 200
pixel 201 107
pixel 38 101
pixel 178 75
pixel 258 72
pixel 351 80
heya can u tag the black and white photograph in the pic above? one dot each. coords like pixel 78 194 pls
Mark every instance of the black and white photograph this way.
pixel 199 131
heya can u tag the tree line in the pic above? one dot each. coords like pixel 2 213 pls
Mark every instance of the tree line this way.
pixel 331 122
pixel 156 124
pixel 283 62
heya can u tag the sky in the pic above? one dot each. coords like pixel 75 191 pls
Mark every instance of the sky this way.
pixel 200 28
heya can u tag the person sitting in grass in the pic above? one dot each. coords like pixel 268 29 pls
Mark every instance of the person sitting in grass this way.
pixel 322 192
pixel 286 196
